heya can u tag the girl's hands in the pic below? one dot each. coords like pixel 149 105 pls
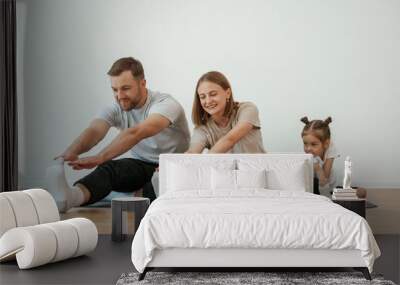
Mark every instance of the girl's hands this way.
pixel 317 159
pixel 319 171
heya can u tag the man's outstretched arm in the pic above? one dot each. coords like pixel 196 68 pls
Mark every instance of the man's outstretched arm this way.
pixel 91 136
pixel 126 139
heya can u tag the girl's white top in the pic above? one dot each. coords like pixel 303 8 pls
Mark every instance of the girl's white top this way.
pixel 331 152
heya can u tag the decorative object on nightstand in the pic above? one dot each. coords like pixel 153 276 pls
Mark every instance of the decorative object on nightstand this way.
pixel 120 207
pixel 347 192
pixel 347 196
pixel 344 194
pixel 347 173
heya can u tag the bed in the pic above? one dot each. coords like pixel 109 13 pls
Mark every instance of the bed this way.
pixel 247 210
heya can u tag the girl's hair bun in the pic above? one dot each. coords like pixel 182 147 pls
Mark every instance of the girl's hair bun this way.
pixel 328 120
pixel 318 128
pixel 305 120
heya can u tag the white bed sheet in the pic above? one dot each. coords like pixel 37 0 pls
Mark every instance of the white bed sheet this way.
pixel 251 218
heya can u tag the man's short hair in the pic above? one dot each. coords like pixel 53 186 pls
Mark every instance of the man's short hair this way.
pixel 127 63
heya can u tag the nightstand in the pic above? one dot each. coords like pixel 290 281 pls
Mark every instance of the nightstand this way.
pixel 356 205
pixel 137 205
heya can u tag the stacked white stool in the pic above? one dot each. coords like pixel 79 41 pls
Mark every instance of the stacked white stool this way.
pixel 31 230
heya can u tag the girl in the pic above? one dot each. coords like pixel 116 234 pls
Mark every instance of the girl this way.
pixel 317 141
pixel 221 124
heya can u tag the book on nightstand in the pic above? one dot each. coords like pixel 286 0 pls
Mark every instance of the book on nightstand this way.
pixel 345 194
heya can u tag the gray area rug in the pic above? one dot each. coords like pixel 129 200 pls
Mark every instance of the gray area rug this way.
pixel 229 278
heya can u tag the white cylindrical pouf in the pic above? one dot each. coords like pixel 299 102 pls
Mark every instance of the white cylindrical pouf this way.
pixel 40 244
pixel 34 245
pixel 67 239
pixel 23 207
pixel 45 205
pixel 7 218
pixel 87 234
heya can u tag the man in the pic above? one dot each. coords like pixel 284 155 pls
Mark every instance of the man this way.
pixel 150 123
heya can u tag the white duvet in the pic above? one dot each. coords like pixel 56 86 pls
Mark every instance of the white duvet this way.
pixel 253 218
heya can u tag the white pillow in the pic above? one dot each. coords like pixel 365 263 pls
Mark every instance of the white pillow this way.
pixel 235 179
pixel 183 177
pixel 188 176
pixel 281 174
pixel 251 178
pixel 223 179
pixel 290 179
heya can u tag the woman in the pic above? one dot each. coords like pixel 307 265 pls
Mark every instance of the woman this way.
pixel 221 124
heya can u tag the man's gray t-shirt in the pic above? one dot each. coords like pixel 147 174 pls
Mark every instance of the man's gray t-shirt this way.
pixel 173 139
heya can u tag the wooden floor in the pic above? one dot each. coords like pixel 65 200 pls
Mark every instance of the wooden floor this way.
pixel 384 219
pixel 101 217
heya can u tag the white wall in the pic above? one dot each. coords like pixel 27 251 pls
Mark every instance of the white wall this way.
pixel 292 58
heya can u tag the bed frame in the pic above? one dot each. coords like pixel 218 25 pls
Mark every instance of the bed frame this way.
pixel 245 259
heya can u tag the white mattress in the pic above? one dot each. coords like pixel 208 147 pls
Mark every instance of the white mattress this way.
pixel 252 218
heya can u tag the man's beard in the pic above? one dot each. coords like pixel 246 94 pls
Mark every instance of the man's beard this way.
pixel 127 104
pixel 132 104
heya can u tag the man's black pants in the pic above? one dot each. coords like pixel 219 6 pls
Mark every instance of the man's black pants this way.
pixel 121 175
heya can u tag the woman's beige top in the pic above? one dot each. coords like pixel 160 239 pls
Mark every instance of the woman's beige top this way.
pixel 208 135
